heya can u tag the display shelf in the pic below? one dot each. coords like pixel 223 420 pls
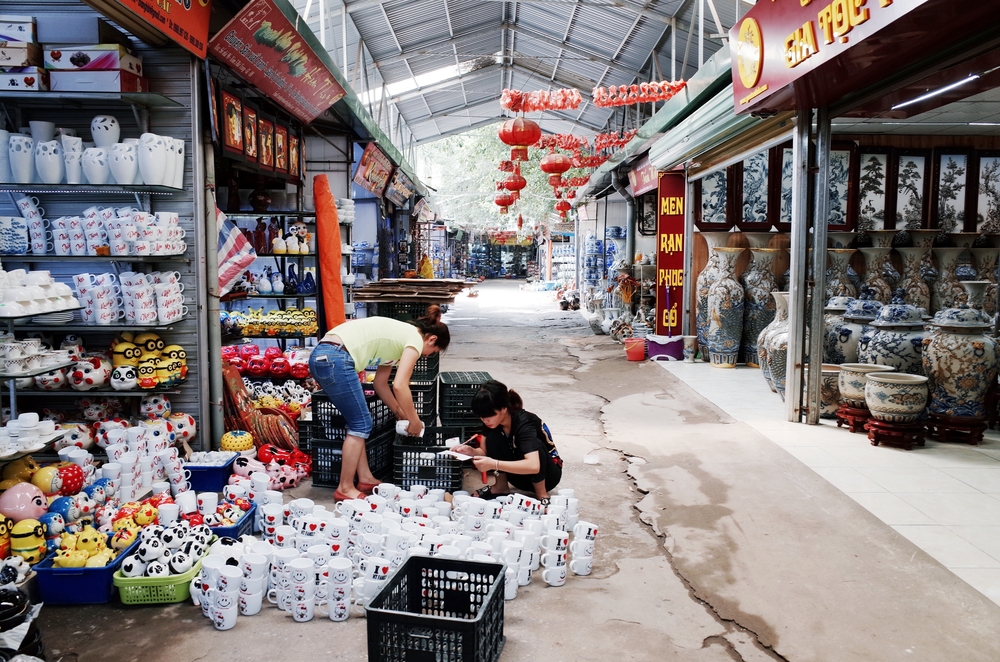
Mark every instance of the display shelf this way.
pixel 78 326
pixel 107 189
pixel 255 215
pixel 82 99
pixel 280 296
pixel 172 390
pixel 43 444
pixel 96 258
pixel 17 318
pixel 287 336
pixel 37 371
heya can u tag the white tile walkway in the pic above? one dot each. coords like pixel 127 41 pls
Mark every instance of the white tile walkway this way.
pixel 945 498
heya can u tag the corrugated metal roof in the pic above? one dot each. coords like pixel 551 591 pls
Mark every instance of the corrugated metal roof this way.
pixel 527 45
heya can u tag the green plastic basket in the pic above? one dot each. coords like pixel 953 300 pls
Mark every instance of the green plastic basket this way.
pixel 155 590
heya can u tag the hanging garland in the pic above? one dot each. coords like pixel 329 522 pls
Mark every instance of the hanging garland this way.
pixel 613 140
pixel 625 95
pixel 565 141
pixel 528 102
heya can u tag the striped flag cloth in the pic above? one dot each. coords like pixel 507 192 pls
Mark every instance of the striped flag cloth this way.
pixel 235 252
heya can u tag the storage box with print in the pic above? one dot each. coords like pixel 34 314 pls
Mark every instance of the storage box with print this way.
pixel 93 57
pixel 96 81
pixel 17 28
pixel 23 79
pixel 20 54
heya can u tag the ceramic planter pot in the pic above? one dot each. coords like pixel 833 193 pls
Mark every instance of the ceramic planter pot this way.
pixel 725 311
pixel 853 379
pixel 896 397
pixel 758 304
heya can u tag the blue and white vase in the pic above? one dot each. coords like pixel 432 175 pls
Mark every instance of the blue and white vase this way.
pixel 948 291
pixel 758 304
pixel 917 293
pixel 725 311
pixel 838 284
pixel 779 324
pixel 896 338
pixel 960 360
pixel 875 261
pixel 896 398
pixel 833 318
pixel 848 338
pixel 705 280
pixel 985 261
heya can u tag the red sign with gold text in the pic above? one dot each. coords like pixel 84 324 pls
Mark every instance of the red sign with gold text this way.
pixel 670 253
pixel 642 176
pixel 186 22
pixel 262 46
pixel 373 170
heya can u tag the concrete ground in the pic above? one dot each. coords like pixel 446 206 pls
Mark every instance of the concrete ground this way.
pixel 715 543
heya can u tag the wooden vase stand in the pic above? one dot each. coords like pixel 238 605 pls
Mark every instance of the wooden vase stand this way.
pixel 853 417
pixel 957 429
pixel 897 435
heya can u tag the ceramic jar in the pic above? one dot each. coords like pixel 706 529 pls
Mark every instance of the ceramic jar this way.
pixel 758 304
pixel 875 261
pixel 896 338
pixel 124 163
pixel 705 280
pixel 948 291
pixel 96 165
pixel 960 361
pixel 917 292
pixel 896 398
pixel 838 284
pixel 725 311
pixel 853 379
pixel 49 162
pixel 833 318
pixel 844 339
pixel 778 325
pixel 105 130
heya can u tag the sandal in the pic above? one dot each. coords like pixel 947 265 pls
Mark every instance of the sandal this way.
pixel 340 496
pixel 487 493
pixel 367 488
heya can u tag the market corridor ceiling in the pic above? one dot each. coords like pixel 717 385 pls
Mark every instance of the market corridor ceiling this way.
pixel 445 62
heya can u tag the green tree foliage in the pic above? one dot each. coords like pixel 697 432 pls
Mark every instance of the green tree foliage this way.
pixel 464 171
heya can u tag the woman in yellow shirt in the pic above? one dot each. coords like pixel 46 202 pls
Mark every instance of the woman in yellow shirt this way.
pixel 352 347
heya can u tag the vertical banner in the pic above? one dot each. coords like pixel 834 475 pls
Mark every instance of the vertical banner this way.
pixel 670 253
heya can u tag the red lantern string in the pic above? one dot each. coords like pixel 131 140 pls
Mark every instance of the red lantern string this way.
pixel 506 166
pixel 612 140
pixel 528 102
pixel 565 141
pixel 624 95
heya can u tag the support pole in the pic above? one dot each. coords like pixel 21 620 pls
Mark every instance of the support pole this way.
pixel 798 253
pixel 818 265
pixel 673 49
pixel 701 33
pixel 343 37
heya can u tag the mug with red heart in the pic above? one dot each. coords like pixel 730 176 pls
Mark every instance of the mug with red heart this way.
pixel 374 568
pixel 284 536
pixel 376 503
pixel 308 525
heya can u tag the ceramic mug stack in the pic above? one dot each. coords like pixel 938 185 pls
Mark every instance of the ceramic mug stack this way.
pixel 35 293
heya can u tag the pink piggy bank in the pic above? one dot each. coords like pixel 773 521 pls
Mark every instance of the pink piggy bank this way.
pixel 90 373
pixel 23 501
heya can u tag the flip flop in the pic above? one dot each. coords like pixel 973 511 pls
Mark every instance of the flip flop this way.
pixel 340 496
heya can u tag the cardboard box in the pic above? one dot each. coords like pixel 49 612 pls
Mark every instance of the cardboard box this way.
pixel 23 79
pixel 20 54
pixel 93 57
pixel 55 30
pixel 17 28
pixel 96 81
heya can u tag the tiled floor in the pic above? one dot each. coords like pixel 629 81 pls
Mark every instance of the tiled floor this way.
pixel 945 498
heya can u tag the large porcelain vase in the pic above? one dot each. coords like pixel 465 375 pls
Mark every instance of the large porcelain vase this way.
pixel 833 318
pixel 725 311
pixel 896 338
pixel 948 291
pixel 916 291
pixel 844 341
pixel 985 261
pixel 758 304
pixel 960 359
pixel 839 285
pixel 705 280
pixel 779 324
pixel 875 261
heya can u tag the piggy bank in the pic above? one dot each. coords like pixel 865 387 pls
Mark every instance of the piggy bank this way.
pixel 76 434
pixel 96 493
pixel 125 378
pixel 52 380
pixel 94 411
pixel 73 478
pixel 247 351
pixel 280 367
pixel 230 352
pixel 273 352
pixel 54 527
pixel 23 501
pixel 27 540
pixel 154 406
pixel 90 373
pixel 86 506
pixel 299 369
pixel 257 366
pixel 75 350
pixel 184 426
pixel 102 428
pixel 239 364
pixel 157 429
pixel 66 507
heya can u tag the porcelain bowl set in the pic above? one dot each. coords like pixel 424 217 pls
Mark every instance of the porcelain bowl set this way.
pixel 28 356
pixel 50 155
pixel 105 230
pixel 35 293
pixel 25 433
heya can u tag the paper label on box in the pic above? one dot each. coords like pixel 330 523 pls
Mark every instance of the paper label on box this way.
pixel 23 79
pixel 17 28
pixel 96 57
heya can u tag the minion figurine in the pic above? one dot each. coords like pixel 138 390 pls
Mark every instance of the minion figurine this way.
pixel 163 374
pixel 147 374
pixel 177 352
pixel 125 353
pixel 5 526
pixel 27 540
pixel 150 343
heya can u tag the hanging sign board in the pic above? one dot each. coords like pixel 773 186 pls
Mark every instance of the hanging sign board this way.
pixel 262 46
pixel 400 188
pixel 642 176
pixel 373 170
pixel 182 21
pixel 670 253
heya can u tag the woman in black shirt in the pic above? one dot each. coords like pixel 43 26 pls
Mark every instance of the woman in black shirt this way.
pixel 518 449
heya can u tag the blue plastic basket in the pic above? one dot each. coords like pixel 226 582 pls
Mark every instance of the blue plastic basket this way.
pixel 210 478
pixel 241 528
pixel 78 586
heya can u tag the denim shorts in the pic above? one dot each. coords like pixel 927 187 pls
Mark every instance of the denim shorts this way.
pixel 333 369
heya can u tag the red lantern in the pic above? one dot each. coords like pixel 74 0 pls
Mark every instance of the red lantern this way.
pixel 519 133
pixel 562 206
pixel 555 164
pixel 520 221
pixel 503 200
pixel 515 182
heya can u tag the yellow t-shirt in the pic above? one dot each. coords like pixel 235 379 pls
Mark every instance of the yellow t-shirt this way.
pixel 374 341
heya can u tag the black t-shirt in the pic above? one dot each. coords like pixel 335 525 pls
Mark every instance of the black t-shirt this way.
pixel 527 435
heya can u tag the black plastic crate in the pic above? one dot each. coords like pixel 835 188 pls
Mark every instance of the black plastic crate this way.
pixel 305 434
pixel 457 390
pixel 425 398
pixel 426 369
pixel 328 422
pixel 327 457
pixel 416 462
pixel 438 609
pixel 435 435
pixel 402 310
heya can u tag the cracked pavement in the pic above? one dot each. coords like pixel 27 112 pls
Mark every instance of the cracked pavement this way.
pixel 715 544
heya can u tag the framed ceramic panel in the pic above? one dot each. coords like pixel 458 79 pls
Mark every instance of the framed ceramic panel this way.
pixel 951 204
pixel 987 192
pixel 781 187
pixel 281 148
pixel 752 181
pixel 250 140
pixel 712 201
pixel 646 214
pixel 293 154
pixel 265 142
pixel 843 196
pixel 911 184
pixel 231 104
pixel 873 181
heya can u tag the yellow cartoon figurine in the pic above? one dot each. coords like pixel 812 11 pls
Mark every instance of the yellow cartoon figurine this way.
pixel 123 538
pixel 163 375
pixel 101 559
pixel 125 353
pixel 147 374
pixel 150 343
pixel 177 352
pixel 91 540
pixel 146 515
pixel 76 558
pixel 47 479
pixel 20 470
pixel 5 526
pixel 27 540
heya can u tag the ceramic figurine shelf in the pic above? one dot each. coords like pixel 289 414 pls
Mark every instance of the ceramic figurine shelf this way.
pixel 70 393
pixel 84 100
pixel 27 257
pixel 37 371
pixel 107 189
pixel 263 214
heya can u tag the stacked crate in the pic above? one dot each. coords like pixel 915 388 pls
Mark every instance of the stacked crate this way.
pixel 456 392
pixel 326 434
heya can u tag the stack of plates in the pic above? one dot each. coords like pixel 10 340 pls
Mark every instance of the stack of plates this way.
pixel 54 318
